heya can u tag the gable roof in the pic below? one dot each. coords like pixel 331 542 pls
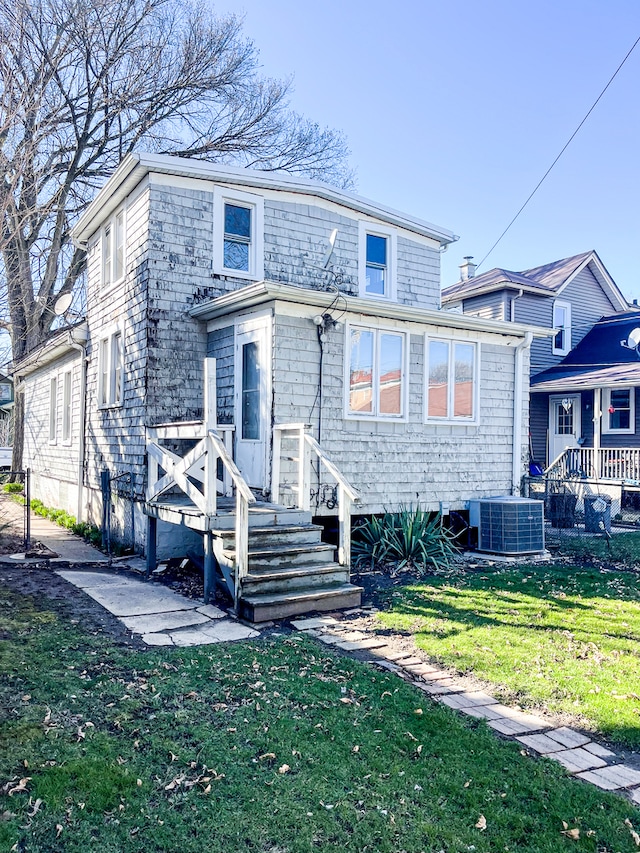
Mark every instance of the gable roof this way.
pixel 136 166
pixel 600 360
pixel 546 280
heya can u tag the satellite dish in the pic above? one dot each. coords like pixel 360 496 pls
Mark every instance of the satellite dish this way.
pixel 63 303
pixel 330 244
pixel 634 338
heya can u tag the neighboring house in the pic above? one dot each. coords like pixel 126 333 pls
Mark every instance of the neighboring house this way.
pixel 6 411
pixel 578 299
pixel 320 308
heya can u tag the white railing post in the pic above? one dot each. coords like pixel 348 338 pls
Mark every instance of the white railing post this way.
pixel 210 477
pixel 344 527
pixel 304 472
pixel 210 394
pixel 275 465
pixel 242 545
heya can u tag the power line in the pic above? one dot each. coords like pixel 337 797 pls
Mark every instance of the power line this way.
pixel 566 145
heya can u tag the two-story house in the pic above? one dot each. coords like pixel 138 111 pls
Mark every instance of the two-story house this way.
pixel 273 340
pixel 585 379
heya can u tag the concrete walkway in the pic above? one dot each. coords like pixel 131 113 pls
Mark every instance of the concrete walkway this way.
pixel 161 616
pixel 583 757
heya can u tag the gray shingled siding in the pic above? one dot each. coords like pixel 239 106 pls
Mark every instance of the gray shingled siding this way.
pixel 388 462
pixel 539 424
pixel 220 345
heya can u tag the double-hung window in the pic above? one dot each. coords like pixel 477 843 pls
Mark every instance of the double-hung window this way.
pixel 53 410
pixel 113 249
pixel 618 411
pixel 66 407
pixel 452 380
pixel 377 261
pixel 238 225
pixel 562 327
pixel 110 370
pixel 377 373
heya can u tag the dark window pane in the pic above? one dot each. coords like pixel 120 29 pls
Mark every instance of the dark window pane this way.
pixel 251 391
pixel 237 221
pixel 376 250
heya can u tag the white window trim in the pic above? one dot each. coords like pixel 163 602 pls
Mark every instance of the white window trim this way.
pixel 109 338
pixel 67 407
pixel 53 410
pixel 606 402
pixel 107 286
pixel 404 395
pixel 256 246
pixel 458 421
pixel 559 303
pixel 373 228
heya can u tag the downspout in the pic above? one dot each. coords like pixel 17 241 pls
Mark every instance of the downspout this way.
pixel 82 349
pixel 516 462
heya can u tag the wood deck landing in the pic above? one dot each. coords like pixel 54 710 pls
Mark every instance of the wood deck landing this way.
pixel 178 509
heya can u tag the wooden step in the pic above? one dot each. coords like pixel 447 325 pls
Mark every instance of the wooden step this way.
pixel 300 534
pixel 268 606
pixel 262 515
pixel 294 555
pixel 290 578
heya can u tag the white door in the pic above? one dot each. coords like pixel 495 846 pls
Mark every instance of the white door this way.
pixel 564 424
pixel 252 399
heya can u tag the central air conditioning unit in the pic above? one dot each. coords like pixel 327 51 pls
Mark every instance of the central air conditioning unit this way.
pixel 508 525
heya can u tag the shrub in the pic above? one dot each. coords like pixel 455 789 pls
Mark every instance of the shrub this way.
pixel 410 538
pixel 12 488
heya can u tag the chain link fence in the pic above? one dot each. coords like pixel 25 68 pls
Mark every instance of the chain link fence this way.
pixel 580 506
pixel 15 514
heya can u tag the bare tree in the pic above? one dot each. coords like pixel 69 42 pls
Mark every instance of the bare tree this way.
pixel 84 82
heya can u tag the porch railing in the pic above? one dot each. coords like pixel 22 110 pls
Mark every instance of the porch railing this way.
pixel 605 463
pixel 301 487
pixel 197 475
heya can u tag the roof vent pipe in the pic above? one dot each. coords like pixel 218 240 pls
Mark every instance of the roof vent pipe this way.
pixel 468 268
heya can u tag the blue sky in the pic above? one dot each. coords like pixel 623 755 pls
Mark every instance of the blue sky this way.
pixel 454 111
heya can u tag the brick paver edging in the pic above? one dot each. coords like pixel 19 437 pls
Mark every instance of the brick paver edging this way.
pixel 582 757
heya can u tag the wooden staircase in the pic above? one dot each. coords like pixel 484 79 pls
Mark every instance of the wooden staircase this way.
pixel 290 570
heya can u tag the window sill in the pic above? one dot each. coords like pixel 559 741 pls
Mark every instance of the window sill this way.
pixel 248 276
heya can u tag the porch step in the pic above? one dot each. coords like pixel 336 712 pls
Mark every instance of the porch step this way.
pixel 261 515
pixel 293 535
pixel 289 578
pixel 267 606
pixel 307 554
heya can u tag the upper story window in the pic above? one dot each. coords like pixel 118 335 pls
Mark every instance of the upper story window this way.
pixel 238 226
pixel 562 327
pixel 377 373
pixel 113 249
pixel 377 261
pixel 618 415
pixel 110 365
pixel 452 380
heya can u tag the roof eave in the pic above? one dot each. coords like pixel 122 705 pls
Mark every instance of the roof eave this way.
pixel 134 167
pixel 267 291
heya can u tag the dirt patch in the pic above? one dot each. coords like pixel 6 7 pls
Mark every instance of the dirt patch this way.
pixel 61 597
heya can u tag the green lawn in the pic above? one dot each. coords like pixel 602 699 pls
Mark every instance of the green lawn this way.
pixel 561 637
pixel 274 746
